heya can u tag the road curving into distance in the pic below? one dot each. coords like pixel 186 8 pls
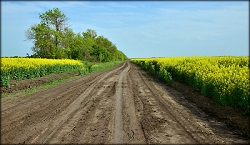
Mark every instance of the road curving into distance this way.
pixel 120 105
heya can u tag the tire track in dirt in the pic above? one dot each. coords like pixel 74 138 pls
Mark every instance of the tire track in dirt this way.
pixel 118 130
pixel 157 101
pixel 122 105
pixel 133 133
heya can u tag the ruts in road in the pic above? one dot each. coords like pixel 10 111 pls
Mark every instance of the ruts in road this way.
pixel 122 105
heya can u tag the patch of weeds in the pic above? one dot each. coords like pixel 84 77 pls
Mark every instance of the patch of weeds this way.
pixel 51 80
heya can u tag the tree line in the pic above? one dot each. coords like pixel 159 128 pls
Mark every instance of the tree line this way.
pixel 54 39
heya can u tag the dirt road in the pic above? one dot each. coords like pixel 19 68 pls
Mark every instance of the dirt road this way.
pixel 121 105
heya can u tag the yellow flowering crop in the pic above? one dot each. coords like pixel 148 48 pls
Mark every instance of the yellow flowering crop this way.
pixel 25 68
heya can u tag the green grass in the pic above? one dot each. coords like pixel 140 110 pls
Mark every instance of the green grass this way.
pixel 95 67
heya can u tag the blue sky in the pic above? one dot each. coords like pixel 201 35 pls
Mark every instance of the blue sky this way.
pixel 139 29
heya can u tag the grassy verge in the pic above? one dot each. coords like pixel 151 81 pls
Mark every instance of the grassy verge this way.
pixel 95 67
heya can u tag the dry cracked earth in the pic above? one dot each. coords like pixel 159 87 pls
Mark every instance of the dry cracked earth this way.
pixel 120 105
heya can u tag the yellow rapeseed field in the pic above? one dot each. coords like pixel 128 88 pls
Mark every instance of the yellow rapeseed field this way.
pixel 25 68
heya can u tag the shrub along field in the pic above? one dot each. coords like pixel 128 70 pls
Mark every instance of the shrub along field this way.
pixel 224 78
pixel 27 68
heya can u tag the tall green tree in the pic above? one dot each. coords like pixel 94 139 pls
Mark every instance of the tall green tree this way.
pixel 48 35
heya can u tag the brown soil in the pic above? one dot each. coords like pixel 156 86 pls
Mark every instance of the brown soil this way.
pixel 233 117
pixel 119 105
